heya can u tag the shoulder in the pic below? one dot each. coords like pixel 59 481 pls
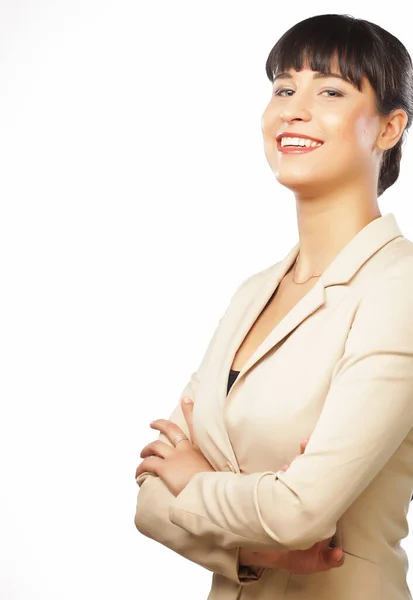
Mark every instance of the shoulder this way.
pixel 396 268
pixel 247 286
pixel 398 251
pixel 385 307
pixel 386 271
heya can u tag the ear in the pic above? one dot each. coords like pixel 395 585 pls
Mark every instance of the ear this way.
pixel 392 129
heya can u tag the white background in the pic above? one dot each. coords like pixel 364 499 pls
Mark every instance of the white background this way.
pixel 135 198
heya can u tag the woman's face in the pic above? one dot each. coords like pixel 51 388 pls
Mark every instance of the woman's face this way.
pixel 330 110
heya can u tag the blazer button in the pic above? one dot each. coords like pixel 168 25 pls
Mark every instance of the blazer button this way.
pixel 229 467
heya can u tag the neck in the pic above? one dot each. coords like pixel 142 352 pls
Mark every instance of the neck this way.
pixel 328 223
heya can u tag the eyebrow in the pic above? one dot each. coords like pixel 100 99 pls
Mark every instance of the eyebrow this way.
pixel 317 75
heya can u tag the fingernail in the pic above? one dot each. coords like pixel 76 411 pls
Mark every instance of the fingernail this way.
pixel 339 557
pixel 187 400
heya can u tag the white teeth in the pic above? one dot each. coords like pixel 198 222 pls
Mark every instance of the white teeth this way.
pixel 295 141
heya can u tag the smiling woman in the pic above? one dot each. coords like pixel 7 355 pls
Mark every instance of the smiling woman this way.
pixel 347 73
pixel 317 347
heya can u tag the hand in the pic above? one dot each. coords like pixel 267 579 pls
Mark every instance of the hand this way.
pixel 320 557
pixel 174 465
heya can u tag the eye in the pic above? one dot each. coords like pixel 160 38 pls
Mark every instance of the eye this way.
pixel 280 90
pixel 336 92
pixel 331 93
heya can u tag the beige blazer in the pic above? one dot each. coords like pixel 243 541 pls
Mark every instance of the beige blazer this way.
pixel 338 368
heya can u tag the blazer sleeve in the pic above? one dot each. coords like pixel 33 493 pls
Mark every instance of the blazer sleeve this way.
pixel 155 499
pixel 367 413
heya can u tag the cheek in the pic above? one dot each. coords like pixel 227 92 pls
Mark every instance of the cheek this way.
pixel 268 123
pixel 366 132
pixel 354 131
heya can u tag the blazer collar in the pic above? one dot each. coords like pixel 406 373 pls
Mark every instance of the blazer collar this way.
pixel 361 247
pixel 348 261
pixel 344 266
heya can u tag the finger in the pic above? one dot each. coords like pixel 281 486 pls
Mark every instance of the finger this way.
pixel 336 555
pixel 333 557
pixel 170 430
pixel 303 446
pixel 158 448
pixel 187 406
pixel 153 464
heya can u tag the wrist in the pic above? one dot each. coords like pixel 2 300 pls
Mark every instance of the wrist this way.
pixel 272 559
pixel 247 558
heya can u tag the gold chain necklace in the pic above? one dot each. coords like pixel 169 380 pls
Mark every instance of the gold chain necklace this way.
pixel 302 282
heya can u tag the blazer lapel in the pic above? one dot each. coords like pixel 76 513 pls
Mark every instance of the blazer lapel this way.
pixel 344 266
pixel 245 321
pixel 369 240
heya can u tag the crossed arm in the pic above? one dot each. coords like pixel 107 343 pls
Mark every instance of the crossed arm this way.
pixel 152 520
pixel 367 413
pixel 370 399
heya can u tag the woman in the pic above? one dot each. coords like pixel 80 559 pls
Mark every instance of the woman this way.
pixel 317 346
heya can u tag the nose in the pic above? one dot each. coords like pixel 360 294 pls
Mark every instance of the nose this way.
pixel 295 108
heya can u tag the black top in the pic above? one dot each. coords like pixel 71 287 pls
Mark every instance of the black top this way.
pixel 232 377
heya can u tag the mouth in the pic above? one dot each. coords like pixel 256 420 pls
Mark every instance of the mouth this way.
pixel 297 145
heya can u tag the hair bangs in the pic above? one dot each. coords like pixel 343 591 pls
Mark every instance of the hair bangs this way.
pixel 326 43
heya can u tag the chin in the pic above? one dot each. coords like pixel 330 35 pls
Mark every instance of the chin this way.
pixel 297 182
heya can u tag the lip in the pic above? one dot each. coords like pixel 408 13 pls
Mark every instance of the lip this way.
pixel 296 149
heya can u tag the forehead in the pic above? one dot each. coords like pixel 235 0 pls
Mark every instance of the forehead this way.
pixel 291 73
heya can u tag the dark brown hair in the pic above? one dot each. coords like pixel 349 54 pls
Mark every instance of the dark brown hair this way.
pixel 362 48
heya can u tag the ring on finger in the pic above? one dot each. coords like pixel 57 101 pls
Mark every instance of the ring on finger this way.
pixel 179 438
